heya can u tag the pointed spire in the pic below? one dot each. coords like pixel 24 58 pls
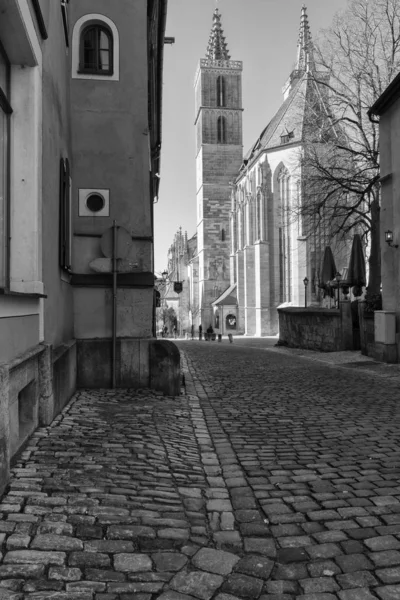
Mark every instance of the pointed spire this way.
pixel 217 48
pixel 305 55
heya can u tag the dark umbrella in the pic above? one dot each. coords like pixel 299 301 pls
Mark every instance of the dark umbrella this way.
pixel 356 275
pixel 328 271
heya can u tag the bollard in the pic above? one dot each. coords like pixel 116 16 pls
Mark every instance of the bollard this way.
pixel 230 337
pixel 220 337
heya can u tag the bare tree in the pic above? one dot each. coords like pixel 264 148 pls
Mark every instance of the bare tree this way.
pixel 355 60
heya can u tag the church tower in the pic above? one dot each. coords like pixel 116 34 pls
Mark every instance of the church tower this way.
pixel 219 154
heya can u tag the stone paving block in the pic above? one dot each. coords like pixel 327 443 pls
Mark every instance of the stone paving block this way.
pixel 197 583
pixel 282 586
pixel 88 559
pixel 317 585
pixel 172 595
pixel 104 575
pixel 33 571
pixel 385 558
pixel 291 572
pixel 65 574
pixel 34 557
pixel 323 568
pixel 388 592
pixel 215 561
pixel 169 561
pixel 244 586
pixel 226 539
pixel 260 546
pixel 255 566
pixel 288 555
pixel 174 534
pixel 109 546
pixel 357 594
pixel 357 579
pixel 56 542
pixel 384 542
pixel 389 575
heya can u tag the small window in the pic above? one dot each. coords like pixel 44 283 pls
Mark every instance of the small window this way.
pixel 65 216
pixel 221 96
pixel 222 235
pixel 285 139
pixel 96 50
pixel 221 126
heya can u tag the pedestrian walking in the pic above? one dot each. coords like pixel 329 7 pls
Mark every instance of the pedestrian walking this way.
pixel 200 331
pixel 192 331
pixel 175 331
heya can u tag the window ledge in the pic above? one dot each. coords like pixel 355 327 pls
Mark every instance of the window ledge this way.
pixel 6 292
pixel 32 288
pixel 94 72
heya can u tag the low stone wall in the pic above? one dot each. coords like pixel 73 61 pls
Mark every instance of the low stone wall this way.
pixel 311 328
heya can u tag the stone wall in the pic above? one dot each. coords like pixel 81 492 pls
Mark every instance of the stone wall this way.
pixel 311 328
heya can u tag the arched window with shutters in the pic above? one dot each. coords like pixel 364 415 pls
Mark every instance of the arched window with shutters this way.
pixel 221 91
pixel 96 50
pixel 221 127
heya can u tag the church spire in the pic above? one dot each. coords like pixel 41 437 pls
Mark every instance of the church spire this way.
pixel 305 54
pixel 217 48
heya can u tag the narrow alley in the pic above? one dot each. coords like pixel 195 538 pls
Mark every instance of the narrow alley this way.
pixel 271 477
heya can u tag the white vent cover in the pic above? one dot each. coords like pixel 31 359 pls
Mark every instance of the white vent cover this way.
pixel 94 203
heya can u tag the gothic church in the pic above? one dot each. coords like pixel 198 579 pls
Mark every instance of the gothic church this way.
pixel 251 257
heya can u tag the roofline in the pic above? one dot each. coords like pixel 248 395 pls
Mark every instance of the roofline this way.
pixel 387 98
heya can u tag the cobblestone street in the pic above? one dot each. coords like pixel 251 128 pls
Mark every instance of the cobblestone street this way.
pixel 272 477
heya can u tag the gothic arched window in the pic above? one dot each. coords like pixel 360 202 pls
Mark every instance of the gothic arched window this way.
pixel 221 127
pixel 96 50
pixel 221 87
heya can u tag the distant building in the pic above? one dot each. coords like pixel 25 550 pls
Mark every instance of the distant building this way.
pixel 252 254
pixel 80 123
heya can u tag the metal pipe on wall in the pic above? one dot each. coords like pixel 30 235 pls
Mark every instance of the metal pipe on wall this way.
pixel 114 315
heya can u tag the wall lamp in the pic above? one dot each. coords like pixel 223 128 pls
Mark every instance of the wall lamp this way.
pixel 389 239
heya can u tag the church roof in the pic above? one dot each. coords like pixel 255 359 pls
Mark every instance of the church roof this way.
pixel 297 114
pixel 217 48
pixel 228 297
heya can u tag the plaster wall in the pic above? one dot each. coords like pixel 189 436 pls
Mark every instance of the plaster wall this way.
pixel 58 322
pixel 93 312
pixel 390 211
pixel 110 145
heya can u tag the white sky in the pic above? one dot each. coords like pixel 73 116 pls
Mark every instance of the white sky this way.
pixel 261 33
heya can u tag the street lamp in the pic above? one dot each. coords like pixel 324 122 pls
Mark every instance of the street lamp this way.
pixel 305 281
pixel 338 278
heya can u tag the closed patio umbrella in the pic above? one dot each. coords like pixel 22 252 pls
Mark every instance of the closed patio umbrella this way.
pixel 328 271
pixel 356 275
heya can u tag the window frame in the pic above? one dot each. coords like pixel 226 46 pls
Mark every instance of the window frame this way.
pixel 6 108
pixel 221 91
pixel 82 70
pixel 221 130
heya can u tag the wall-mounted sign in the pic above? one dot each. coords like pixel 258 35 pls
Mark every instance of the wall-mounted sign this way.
pixel 178 287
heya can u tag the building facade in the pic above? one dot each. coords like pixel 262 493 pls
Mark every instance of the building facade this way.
pixel 219 154
pixel 253 250
pixel 80 118
pixel 387 321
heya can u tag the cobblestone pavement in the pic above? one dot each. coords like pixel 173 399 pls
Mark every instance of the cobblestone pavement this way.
pixel 273 477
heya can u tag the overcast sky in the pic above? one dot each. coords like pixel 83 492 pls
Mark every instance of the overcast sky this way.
pixel 261 33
